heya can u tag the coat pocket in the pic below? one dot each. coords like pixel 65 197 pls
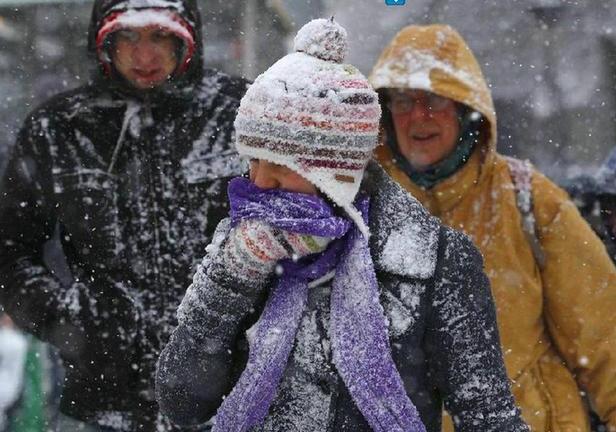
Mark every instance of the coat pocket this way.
pixel 88 212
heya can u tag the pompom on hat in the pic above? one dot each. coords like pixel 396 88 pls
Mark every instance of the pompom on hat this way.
pixel 315 115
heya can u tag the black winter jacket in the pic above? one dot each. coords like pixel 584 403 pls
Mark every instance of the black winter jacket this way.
pixel 134 185
pixel 442 330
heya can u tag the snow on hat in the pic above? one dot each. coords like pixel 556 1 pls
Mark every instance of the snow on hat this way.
pixel 314 115
pixel 164 18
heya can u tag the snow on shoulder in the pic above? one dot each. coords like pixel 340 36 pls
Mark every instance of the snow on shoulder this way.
pixel 324 39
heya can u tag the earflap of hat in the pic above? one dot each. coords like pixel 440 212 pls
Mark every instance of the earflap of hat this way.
pixel 344 196
pixel 166 19
pixel 342 188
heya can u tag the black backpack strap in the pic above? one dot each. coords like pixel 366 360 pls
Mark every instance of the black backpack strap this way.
pixel 521 174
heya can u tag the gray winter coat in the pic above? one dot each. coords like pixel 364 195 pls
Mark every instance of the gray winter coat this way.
pixel 442 331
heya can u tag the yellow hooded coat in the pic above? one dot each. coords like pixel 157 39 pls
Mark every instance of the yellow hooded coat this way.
pixel 557 323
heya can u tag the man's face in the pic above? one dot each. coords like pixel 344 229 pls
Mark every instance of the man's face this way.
pixel 145 57
pixel 426 125
pixel 268 175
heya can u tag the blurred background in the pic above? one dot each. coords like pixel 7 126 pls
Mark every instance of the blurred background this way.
pixel 551 63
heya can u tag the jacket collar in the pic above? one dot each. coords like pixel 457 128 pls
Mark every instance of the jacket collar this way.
pixel 404 238
pixel 446 195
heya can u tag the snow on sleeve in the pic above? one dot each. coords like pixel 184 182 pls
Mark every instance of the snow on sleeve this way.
pixel 212 157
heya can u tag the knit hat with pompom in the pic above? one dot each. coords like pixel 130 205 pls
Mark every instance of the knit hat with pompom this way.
pixel 314 114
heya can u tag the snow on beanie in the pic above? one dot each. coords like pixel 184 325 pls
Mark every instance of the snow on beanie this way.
pixel 126 16
pixel 314 114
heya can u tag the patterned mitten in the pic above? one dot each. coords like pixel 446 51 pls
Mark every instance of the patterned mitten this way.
pixel 253 248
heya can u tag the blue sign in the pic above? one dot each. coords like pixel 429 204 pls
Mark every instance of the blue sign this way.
pixel 395 2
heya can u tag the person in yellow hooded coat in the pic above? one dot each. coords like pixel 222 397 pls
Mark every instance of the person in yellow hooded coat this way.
pixel 553 282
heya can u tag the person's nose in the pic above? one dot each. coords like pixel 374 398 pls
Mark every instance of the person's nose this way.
pixel 145 53
pixel 420 110
pixel 266 175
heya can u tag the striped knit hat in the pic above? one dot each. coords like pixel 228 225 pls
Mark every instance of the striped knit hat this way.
pixel 314 115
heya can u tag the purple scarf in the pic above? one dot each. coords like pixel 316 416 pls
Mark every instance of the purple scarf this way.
pixel 361 353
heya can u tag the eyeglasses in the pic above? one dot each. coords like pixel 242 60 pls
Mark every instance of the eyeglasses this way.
pixel 401 102
pixel 133 36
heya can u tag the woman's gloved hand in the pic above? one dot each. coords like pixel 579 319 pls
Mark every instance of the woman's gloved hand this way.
pixel 254 247
pixel 234 275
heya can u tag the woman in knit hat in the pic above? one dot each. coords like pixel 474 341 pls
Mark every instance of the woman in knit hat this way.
pixel 307 314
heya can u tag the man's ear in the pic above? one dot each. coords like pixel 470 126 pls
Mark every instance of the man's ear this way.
pixel 108 48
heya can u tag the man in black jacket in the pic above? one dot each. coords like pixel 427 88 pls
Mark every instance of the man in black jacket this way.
pixel 130 172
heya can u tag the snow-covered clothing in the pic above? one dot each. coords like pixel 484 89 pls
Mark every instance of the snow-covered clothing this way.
pixel 556 322
pixel 392 318
pixel 442 331
pixel 362 354
pixel 133 183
